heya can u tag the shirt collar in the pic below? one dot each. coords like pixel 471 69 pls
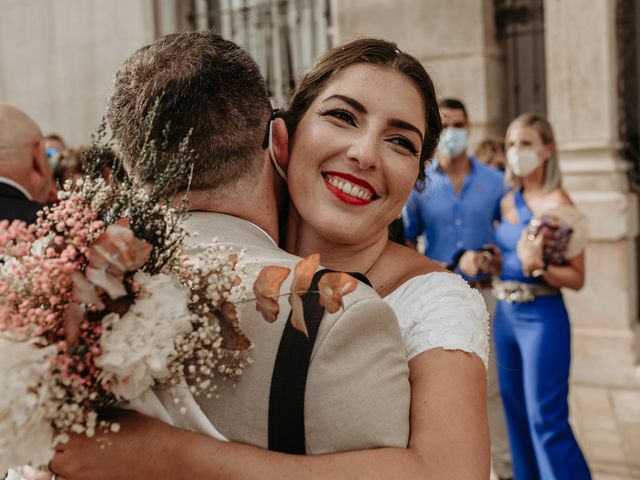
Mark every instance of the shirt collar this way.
pixel 435 166
pixel 264 232
pixel 17 186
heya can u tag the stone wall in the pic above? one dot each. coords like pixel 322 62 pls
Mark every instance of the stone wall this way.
pixel 455 41
pixel 58 58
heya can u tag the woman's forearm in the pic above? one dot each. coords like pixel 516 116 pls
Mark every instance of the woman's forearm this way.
pixel 564 277
pixel 234 461
pixel 449 439
pixel 570 275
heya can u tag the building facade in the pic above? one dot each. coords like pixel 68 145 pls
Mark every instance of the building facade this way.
pixel 575 60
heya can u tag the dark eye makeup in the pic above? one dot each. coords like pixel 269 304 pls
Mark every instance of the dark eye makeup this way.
pixel 405 143
pixel 347 117
pixel 339 113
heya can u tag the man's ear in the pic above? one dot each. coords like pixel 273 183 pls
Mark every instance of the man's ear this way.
pixel 42 170
pixel 39 160
pixel 280 142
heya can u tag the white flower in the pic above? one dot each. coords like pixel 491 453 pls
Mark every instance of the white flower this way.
pixel 137 348
pixel 26 404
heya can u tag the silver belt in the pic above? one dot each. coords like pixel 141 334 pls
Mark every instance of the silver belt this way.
pixel 512 291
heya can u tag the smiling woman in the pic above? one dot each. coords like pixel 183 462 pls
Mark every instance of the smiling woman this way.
pixel 362 126
pixel 356 154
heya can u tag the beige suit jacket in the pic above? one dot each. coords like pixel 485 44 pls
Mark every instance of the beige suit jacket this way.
pixel 357 393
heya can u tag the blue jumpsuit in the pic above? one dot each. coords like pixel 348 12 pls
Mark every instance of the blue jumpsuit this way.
pixel 533 347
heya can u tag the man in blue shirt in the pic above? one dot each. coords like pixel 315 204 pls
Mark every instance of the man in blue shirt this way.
pixel 461 201
pixel 456 214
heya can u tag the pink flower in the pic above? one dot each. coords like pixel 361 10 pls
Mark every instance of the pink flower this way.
pixel 115 252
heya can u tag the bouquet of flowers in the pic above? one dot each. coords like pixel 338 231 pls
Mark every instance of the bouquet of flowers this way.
pixel 564 231
pixel 98 305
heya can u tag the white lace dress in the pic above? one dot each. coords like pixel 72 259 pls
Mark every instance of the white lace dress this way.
pixel 440 309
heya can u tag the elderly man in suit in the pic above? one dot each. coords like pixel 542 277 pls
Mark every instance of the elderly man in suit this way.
pixel 25 175
pixel 356 394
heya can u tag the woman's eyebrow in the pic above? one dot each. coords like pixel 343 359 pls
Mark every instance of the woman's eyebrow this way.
pixel 351 101
pixel 394 122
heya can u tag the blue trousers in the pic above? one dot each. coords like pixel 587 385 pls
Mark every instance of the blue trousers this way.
pixel 533 349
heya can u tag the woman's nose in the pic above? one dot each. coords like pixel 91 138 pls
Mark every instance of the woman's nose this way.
pixel 365 150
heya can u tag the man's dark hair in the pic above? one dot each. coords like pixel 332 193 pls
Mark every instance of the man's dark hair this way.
pixel 453 104
pixel 196 84
pixel 55 136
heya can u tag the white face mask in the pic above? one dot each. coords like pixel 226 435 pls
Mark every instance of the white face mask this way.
pixel 523 161
pixel 453 141
pixel 272 155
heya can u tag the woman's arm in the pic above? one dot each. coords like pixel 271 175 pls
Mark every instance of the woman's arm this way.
pixel 449 435
pixel 449 439
pixel 570 275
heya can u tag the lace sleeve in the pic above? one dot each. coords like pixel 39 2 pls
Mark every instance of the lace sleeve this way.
pixel 441 310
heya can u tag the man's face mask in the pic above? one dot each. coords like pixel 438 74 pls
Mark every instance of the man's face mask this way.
pixel 523 161
pixel 453 142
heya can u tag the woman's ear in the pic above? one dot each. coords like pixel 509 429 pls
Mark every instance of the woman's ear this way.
pixel 548 149
pixel 280 143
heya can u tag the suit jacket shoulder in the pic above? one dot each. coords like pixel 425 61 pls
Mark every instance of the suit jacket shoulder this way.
pixel 15 206
pixel 357 393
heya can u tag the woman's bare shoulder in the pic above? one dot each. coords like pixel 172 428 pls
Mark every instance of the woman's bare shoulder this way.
pixel 557 197
pixel 402 264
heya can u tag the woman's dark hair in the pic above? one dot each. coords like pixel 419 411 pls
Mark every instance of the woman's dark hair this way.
pixel 376 52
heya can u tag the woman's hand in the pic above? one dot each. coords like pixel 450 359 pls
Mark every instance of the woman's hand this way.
pixel 529 250
pixel 141 449
pixel 487 260
pixel 570 275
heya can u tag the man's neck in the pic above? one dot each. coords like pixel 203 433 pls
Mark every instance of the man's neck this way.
pixel 456 166
pixel 245 205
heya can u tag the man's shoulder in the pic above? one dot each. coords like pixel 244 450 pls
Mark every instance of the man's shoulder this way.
pixel 15 206
pixel 363 310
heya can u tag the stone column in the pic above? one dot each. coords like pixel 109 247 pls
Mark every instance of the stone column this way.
pixel 455 41
pixel 582 76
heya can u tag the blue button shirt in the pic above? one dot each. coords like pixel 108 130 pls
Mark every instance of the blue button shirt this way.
pixel 452 222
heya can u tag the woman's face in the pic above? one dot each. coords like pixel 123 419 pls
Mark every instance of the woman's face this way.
pixel 526 152
pixel 356 153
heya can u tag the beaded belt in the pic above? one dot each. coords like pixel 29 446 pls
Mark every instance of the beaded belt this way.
pixel 517 292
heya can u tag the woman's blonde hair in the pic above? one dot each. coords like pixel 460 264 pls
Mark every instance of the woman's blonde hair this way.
pixel 552 175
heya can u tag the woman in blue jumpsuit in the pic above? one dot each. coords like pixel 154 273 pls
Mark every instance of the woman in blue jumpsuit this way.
pixel 531 326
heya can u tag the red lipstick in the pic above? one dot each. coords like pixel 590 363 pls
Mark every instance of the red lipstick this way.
pixel 355 180
pixel 345 197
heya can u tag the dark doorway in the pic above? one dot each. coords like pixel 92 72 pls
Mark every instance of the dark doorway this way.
pixel 520 31
pixel 628 30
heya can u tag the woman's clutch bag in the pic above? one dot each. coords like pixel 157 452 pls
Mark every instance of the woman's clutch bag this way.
pixel 565 232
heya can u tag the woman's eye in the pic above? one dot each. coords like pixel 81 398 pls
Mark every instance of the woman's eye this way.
pixel 405 143
pixel 342 115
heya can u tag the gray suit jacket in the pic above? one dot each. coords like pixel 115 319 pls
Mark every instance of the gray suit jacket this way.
pixel 357 393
